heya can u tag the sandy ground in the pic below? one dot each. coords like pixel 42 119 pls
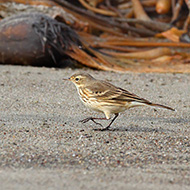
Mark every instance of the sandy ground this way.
pixel 43 146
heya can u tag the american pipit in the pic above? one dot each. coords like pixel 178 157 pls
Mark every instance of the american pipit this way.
pixel 105 97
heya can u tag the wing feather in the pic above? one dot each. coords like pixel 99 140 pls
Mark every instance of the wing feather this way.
pixel 110 93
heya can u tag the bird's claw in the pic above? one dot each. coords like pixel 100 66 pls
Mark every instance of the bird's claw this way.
pixel 104 129
pixel 85 120
pixel 88 119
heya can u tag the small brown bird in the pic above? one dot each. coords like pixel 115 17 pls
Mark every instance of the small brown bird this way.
pixel 105 97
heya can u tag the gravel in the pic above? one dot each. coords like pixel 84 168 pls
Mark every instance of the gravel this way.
pixel 44 146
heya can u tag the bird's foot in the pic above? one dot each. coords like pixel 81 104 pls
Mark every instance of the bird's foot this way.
pixel 104 129
pixel 88 119
pixel 85 120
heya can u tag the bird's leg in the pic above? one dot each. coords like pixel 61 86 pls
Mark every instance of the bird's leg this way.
pixel 92 119
pixel 106 128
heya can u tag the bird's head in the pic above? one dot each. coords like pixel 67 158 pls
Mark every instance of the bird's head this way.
pixel 80 80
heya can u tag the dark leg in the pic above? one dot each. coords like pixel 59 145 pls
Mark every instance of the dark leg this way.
pixel 92 119
pixel 104 129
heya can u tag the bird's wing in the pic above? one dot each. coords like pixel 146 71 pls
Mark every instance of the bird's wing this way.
pixel 108 92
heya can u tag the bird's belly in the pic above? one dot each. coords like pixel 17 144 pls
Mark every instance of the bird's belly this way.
pixel 92 104
pixel 102 106
pixel 113 109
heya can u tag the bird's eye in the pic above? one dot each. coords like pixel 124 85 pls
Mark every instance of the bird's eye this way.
pixel 76 79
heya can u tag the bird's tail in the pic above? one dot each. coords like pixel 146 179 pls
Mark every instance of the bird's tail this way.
pixel 162 106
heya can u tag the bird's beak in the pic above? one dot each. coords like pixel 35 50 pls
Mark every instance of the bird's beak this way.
pixel 67 79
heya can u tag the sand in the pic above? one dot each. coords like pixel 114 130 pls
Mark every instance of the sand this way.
pixel 44 146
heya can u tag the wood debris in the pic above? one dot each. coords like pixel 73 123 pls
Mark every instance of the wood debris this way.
pixel 119 35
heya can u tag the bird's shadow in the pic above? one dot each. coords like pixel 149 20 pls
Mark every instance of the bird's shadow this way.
pixel 135 128
pixel 153 121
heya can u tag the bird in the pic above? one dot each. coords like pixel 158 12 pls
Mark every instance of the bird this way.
pixel 105 97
